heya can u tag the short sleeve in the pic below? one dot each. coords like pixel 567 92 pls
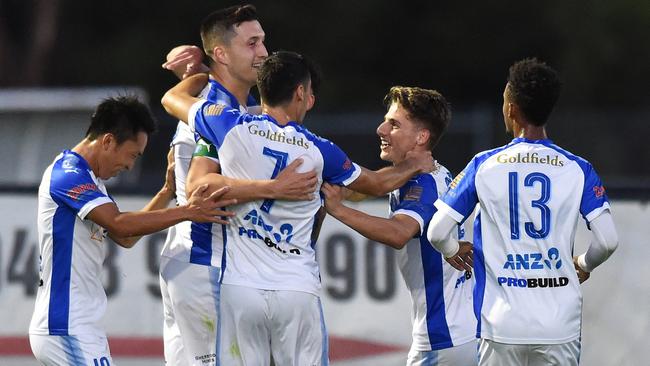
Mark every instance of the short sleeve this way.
pixel 461 198
pixel 73 187
pixel 213 121
pixel 594 199
pixel 416 199
pixel 337 167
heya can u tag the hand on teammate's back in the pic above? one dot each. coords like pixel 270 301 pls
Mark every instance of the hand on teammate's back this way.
pixel 582 274
pixel 463 260
pixel 423 161
pixel 333 196
pixel 293 185
pixel 207 208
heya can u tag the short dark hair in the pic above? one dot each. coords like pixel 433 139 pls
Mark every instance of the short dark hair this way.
pixel 218 27
pixel 426 107
pixel 535 88
pixel 280 75
pixel 123 116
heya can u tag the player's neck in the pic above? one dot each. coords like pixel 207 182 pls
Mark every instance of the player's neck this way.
pixel 236 87
pixel 281 114
pixel 88 150
pixel 532 132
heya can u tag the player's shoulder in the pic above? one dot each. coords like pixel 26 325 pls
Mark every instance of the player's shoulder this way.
pixel 582 162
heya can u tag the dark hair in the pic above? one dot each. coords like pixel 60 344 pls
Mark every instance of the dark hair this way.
pixel 535 88
pixel 280 75
pixel 218 27
pixel 123 116
pixel 426 107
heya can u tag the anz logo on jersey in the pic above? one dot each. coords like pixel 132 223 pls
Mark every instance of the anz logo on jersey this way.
pixel 268 236
pixel 533 261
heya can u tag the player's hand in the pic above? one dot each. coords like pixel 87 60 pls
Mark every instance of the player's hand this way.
pixel 185 61
pixel 463 260
pixel 422 160
pixel 207 208
pixel 334 195
pixel 582 274
pixel 170 176
pixel 294 186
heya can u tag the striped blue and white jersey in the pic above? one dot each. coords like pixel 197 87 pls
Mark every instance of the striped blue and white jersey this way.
pixel 270 244
pixel 191 242
pixel 70 299
pixel 441 296
pixel 531 194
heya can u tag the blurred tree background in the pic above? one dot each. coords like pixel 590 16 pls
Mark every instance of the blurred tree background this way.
pixel 463 49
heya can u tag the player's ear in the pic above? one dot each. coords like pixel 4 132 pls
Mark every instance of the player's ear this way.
pixel 300 92
pixel 107 141
pixel 423 136
pixel 219 55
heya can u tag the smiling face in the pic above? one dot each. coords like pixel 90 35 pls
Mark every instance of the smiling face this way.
pixel 245 52
pixel 116 158
pixel 398 134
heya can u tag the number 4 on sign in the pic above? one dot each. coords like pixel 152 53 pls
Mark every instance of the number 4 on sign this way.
pixel 23 267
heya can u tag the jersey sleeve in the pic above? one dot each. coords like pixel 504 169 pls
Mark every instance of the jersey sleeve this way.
pixel 206 149
pixel 416 199
pixel 212 121
pixel 337 167
pixel 461 198
pixel 594 199
pixel 75 188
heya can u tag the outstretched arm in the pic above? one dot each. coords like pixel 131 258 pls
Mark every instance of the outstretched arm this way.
pixel 394 232
pixel 381 182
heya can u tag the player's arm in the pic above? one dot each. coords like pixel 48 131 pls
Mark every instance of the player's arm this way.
pixel 394 232
pixel 179 100
pixel 185 61
pixel 288 185
pixel 159 201
pixel 381 182
pixel 200 208
pixel 457 253
pixel 603 245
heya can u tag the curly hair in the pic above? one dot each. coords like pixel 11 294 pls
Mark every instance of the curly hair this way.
pixel 427 107
pixel 535 88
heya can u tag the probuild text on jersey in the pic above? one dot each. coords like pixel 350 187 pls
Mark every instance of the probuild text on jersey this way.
pixel 533 262
pixel 254 129
pixel 529 158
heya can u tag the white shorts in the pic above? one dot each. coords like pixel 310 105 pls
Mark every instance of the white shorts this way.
pixel 256 324
pixel 496 354
pixel 81 350
pixel 190 294
pixel 462 355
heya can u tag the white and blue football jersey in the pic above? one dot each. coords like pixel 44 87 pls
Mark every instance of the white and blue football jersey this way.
pixel 441 296
pixel 270 244
pixel 192 242
pixel 70 298
pixel 530 195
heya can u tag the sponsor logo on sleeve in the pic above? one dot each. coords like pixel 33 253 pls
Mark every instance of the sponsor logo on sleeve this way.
pixel 456 180
pixel 77 191
pixel 214 109
pixel 599 191
pixel 413 194
pixel 347 164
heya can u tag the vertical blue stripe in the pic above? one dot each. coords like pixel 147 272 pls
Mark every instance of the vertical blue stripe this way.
pixel 201 236
pixel 325 355
pixel 73 351
pixel 224 240
pixel 59 307
pixel 437 328
pixel 479 273
pixel 215 278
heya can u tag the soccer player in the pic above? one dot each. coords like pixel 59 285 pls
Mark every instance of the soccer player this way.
pixel 76 216
pixel 192 255
pixel 443 325
pixel 270 293
pixel 531 193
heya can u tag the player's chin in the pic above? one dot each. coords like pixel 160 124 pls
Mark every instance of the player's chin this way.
pixel 385 156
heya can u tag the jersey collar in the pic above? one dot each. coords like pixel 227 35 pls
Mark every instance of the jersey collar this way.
pixel 522 139
pixel 216 86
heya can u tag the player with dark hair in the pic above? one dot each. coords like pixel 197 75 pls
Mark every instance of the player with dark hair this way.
pixel 443 325
pixel 270 293
pixel 192 255
pixel 531 193
pixel 76 217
